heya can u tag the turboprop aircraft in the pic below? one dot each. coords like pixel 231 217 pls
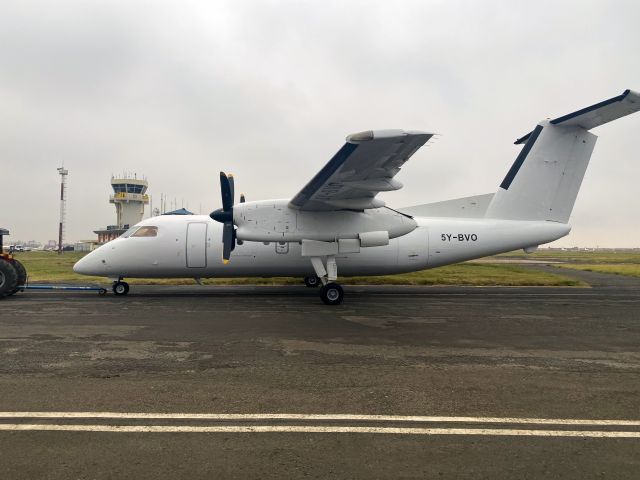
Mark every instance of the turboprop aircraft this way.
pixel 337 222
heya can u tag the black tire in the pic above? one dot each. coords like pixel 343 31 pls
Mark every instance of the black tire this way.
pixel 332 294
pixel 312 281
pixel 120 288
pixel 22 276
pixel 8 278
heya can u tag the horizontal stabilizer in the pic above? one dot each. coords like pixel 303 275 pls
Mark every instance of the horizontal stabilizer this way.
pixel 598 114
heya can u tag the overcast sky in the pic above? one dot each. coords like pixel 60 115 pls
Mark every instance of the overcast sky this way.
pixel 178 91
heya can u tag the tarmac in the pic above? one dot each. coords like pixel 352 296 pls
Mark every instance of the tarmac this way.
pixel 267 382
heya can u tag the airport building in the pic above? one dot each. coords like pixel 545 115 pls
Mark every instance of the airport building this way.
pixel 129 197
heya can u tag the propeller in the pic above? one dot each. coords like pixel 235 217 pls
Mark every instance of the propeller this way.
pixel 224 215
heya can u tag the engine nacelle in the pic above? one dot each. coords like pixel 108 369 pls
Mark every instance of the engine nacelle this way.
pixel 274 220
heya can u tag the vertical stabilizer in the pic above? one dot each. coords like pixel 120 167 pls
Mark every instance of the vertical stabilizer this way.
pixel 544 180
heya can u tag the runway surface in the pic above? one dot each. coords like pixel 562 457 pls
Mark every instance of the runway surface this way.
pixel 266 382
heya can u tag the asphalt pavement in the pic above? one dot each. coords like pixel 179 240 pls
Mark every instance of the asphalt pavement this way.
pixel 267 382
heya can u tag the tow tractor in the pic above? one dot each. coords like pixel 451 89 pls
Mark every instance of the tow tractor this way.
pixel 13 275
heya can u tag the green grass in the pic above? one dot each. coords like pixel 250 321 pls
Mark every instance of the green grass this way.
pixel 570 256
pixel 613 262
pixel 473 274
pixel 51 267
pixel 628 270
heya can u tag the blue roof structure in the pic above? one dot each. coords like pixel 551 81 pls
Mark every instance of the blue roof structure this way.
pixel 180 211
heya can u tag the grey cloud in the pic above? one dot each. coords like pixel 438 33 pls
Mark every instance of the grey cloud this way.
pixel 268 90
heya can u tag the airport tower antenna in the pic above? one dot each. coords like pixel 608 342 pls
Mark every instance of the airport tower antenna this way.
pixel 63 205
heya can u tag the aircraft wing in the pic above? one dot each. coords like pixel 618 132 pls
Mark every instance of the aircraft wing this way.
pixel 362 168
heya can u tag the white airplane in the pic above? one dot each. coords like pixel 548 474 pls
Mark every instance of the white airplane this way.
pixel 336 220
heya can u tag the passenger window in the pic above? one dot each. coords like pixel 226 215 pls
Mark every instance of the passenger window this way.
pixel 146 232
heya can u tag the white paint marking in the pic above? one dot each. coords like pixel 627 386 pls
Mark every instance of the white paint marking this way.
pixel 318 417
pixel 314 429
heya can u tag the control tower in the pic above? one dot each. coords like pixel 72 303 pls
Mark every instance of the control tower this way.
pixel 129 197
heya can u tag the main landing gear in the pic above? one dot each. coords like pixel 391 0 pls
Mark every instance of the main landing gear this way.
pixel 120 288
pixel 311 281
pixel 331 293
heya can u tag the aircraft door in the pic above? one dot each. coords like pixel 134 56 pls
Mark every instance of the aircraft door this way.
pixel 196 245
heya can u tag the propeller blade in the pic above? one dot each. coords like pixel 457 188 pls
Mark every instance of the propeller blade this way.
pixel 232 188
pixel 227 241
pixel 224 215
pixel 242 199
pixel 226 189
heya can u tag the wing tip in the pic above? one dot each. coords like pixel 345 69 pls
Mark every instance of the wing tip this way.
pixel 359 137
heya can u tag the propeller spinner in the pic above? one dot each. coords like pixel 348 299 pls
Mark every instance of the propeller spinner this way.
pixel 224 215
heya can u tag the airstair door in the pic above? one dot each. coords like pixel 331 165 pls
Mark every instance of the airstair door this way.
pixel 197 245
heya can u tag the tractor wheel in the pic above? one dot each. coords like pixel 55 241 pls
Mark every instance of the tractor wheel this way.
pixel 22 276
pixel 8 278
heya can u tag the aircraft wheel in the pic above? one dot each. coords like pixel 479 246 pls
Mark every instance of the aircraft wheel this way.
pixel 8 278
pixel 332 294
pixel 312 281
pixel 120 288
pixel 22 276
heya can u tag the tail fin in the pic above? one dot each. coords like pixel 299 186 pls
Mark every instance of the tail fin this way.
pixel 543 182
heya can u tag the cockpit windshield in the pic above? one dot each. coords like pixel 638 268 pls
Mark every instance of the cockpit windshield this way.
pixel 129 232
pixel 146 232
pixel 137 231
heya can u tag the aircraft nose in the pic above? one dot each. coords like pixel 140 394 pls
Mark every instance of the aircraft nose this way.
pixel 89 265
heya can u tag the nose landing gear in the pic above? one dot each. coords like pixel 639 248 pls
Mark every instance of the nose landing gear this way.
pixel 120 288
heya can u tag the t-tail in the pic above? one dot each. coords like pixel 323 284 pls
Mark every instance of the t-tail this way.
pixel 543 182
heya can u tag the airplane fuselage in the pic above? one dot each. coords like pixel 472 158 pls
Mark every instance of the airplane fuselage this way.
pixel 189 247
